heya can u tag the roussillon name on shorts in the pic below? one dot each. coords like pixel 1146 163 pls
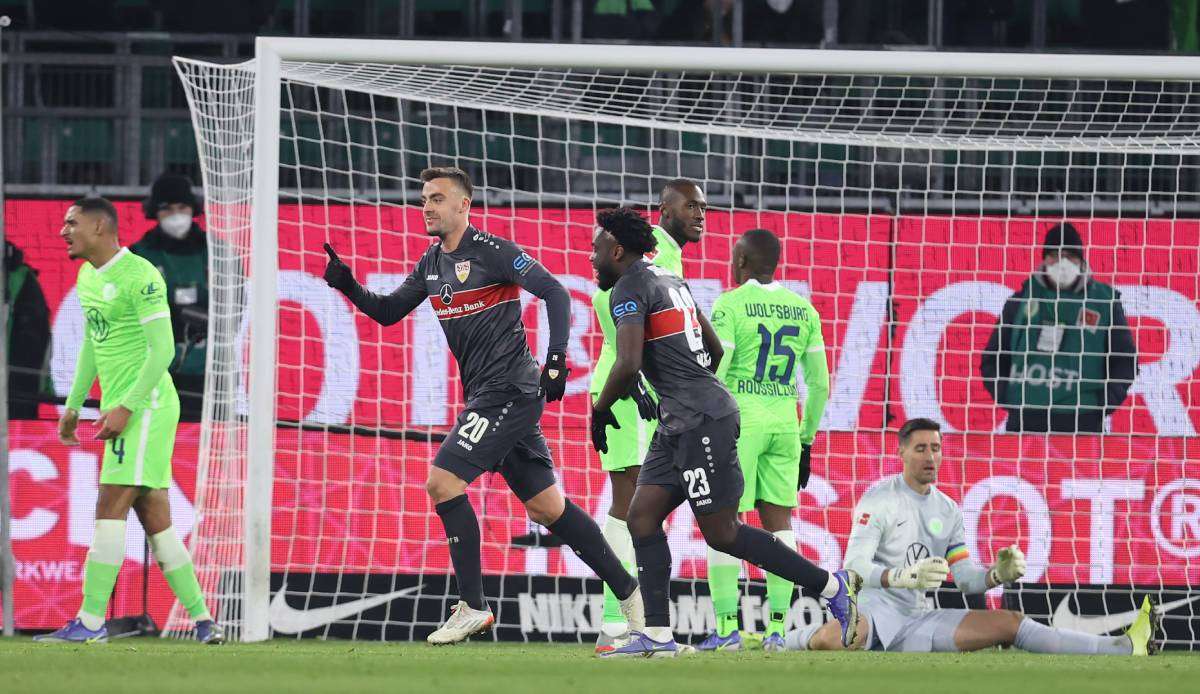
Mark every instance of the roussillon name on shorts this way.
pixel 778 311
pixel 746 386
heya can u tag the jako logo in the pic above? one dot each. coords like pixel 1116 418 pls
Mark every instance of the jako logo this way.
pixel 627 307
pixel 522 261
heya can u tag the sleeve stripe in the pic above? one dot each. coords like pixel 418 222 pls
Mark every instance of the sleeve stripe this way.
pixel 156 316
pixel 730 345
pixel 816 348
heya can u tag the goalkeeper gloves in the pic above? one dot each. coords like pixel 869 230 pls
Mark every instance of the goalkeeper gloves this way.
pixel 647 406
pixel 805 465
pixel 1009 566
pixel 601 420
pixel 554 376
pixel 926 574
pixel 337 273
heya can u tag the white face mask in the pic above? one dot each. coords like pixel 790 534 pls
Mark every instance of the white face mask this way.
pixel 1063 273
pixel 176 226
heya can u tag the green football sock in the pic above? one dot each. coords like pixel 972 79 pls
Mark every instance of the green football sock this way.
pixel 177 567
pixel 187 589
pixel 723 587
pixel 779 590
pixel 104 561
pixel 616 532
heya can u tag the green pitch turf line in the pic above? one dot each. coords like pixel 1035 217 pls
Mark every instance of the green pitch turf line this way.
pixel 344 667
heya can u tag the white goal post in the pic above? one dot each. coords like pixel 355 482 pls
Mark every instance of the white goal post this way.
pixel 827 146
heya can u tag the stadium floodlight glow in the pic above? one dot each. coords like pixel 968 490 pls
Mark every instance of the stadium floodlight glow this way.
pixel 912 190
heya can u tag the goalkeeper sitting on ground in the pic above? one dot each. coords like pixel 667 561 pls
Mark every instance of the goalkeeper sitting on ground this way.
pixel 906 538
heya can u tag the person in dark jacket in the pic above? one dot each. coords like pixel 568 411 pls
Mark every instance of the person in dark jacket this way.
pixel 1062 356
pixel 178 247
pixel 28 334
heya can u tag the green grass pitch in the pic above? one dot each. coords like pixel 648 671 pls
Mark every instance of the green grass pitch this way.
pixel 344 667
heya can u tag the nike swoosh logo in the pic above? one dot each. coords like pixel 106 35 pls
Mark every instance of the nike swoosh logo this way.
pixel 288 620
pixel 1099 625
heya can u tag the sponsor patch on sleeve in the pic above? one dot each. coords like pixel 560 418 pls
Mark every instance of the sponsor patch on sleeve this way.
pixel 625 309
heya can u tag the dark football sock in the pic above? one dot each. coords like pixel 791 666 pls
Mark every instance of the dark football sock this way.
pixel 765 551
pixel 654 574
pixel 462 535
pixel 581 533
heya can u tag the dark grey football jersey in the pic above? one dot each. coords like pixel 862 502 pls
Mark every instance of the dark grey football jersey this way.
pixel 475 293
pixel 674 360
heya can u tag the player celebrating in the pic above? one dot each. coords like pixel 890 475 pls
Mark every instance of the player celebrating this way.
pixel 682 207
pixel 693 454
pixel 473 279
pixel 766 329
pixel 907 536
pixel 129 345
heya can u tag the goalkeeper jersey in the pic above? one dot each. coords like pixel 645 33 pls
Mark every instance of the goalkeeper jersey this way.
pixel 118 299
pixel 668 255
pixel 769 330
pixel 894 526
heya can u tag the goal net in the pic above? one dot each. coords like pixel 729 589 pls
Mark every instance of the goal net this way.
pixel 913 193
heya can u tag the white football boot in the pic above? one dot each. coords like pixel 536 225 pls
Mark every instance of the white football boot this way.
pixel 463 623
pixel 634 610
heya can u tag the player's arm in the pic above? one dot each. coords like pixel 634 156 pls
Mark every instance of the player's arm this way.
pixel 519 267
pixel 816 377
pixel 969 576
pixel 724 324
pixel 712 343
pixel 81 385
pixel 383 309
pixel 629 308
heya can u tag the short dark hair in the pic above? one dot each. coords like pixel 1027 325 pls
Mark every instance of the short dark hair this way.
pixel 95 204
pixel 677 184
pixel 453 173
pixel 764 249
pixel 629 228
pixel 918 424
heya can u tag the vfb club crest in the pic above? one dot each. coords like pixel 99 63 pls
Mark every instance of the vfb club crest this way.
pixel 462 270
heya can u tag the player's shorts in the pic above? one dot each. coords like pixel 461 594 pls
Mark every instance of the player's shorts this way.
pixel 141 455
pixel 930 632
pixel 628 445
pixel 700 464
pixel 505 438
pixel 771 467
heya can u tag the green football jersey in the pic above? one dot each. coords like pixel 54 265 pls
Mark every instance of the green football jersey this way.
pixel 668 255
pixel 769 330
pixel 117 300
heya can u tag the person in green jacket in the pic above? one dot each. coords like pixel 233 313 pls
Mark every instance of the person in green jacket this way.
pixel 1062 356
pixel 178 248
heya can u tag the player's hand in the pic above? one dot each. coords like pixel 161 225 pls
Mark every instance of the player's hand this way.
pixel 337 273
pixel 805 465
pixel 554 376
pixel 112 422
pixel 926 574
pixel 1009 566
pixel 67 424
pixel 646 404
pixel 601 420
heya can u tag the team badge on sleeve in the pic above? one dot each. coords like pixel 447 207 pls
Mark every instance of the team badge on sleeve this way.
pixel 864 519
pixel 462 270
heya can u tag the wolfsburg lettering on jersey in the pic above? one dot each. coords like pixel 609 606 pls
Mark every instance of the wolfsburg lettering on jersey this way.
pixel 778 311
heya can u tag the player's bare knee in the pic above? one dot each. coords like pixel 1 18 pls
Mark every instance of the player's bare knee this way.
pixel 545 508
pixel 1011 624
pixel 442 487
